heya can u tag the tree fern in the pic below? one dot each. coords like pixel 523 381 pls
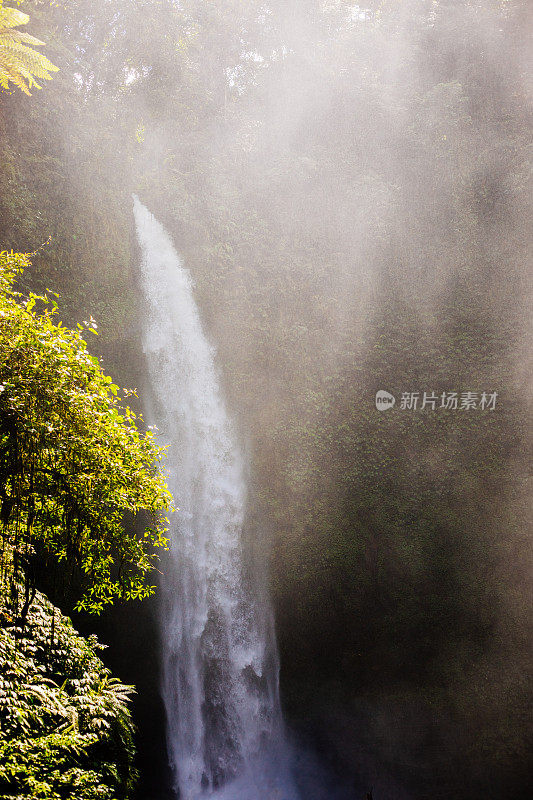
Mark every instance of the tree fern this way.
pixel 19 63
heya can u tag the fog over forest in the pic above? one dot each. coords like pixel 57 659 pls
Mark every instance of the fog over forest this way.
pixel 332 206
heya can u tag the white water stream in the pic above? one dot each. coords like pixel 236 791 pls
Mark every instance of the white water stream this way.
pixel 225 729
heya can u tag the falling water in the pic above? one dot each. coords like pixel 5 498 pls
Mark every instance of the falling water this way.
pixel 220 672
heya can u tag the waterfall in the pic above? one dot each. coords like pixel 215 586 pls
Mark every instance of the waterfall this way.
pixel 225 729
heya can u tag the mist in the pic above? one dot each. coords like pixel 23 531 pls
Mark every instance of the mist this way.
pixel 349 187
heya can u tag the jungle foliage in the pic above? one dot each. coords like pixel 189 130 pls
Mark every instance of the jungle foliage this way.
pixel 65 724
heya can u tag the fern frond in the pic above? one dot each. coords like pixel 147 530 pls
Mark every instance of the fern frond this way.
pixel 15 70
pixel 6 75
pixel 8 34
pixel 31 59
pixel 19 63
pixel 11 18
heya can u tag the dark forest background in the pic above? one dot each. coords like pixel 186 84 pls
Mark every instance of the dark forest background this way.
pixel 350 188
